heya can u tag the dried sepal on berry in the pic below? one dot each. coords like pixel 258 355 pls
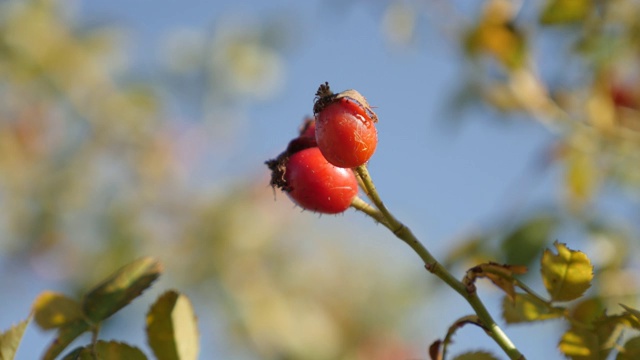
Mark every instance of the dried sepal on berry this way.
pixel 278 166
pixel 308 128
pixel 324 97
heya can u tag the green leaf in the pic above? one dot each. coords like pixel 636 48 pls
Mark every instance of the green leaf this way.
pixel 476 355
pixel 53 310
pixel 528 308
pixel 630 350
pixel 104 350
pixel 66 334
pixel 120 288
pixel 566 275
pixel 565 11
pixel 589 310
pixel 10 340
pixel 172 329
pixel 526 242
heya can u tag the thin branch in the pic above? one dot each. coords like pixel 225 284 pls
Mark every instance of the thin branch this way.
pixel 404 233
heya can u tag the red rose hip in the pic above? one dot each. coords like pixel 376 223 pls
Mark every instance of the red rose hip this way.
pixel 345 127
pixel 315 184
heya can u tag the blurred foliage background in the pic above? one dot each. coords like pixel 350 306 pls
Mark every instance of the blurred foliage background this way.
pixel 102 161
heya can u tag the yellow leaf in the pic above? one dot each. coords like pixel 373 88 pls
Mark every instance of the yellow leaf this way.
pixel 566 275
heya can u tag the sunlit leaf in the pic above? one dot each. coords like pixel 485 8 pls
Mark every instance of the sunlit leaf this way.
pixel 526 242
pixel 120 288
pixel 579 344
pixel 66 334
pixel 567 274
pixel 104 350
pixel 53 310
pixel 10 340
pixel 565 11
pixel 630 350
pixel 528 308
pixel 476 355
pixel 172 328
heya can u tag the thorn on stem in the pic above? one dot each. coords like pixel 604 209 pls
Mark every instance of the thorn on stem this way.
pixel 431 267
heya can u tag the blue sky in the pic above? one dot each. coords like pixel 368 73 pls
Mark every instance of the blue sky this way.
pixel 442 180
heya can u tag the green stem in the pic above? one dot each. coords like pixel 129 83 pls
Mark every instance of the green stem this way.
pixel 405 234
pixel 95 330
pixel 361 205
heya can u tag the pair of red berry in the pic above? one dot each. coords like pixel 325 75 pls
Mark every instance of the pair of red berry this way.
pixel 316 168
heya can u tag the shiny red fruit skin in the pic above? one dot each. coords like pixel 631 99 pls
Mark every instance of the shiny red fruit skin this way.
pixel 346 134
pixel 316 185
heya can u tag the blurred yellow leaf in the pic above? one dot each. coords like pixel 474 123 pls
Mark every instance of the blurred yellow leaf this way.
pixel 10 340
pixel 527 308
pixel 565 11
pixel 496 34
pixel 53 310
pixel 579 344
pixel 581 177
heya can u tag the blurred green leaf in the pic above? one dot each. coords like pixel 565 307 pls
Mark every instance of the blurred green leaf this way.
pixel 566 275
pixel 66 334
pixel 630 350
pixel 588 310
pixel 104 350
pixel 528 308
pixel 634 315
pixel 592 342
pixel 476 355
pixel 120 288
pixel 172 328
pixel 526 242
pixel 467 250
pixel 558 12
pixel 10 340
pixel 53 310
